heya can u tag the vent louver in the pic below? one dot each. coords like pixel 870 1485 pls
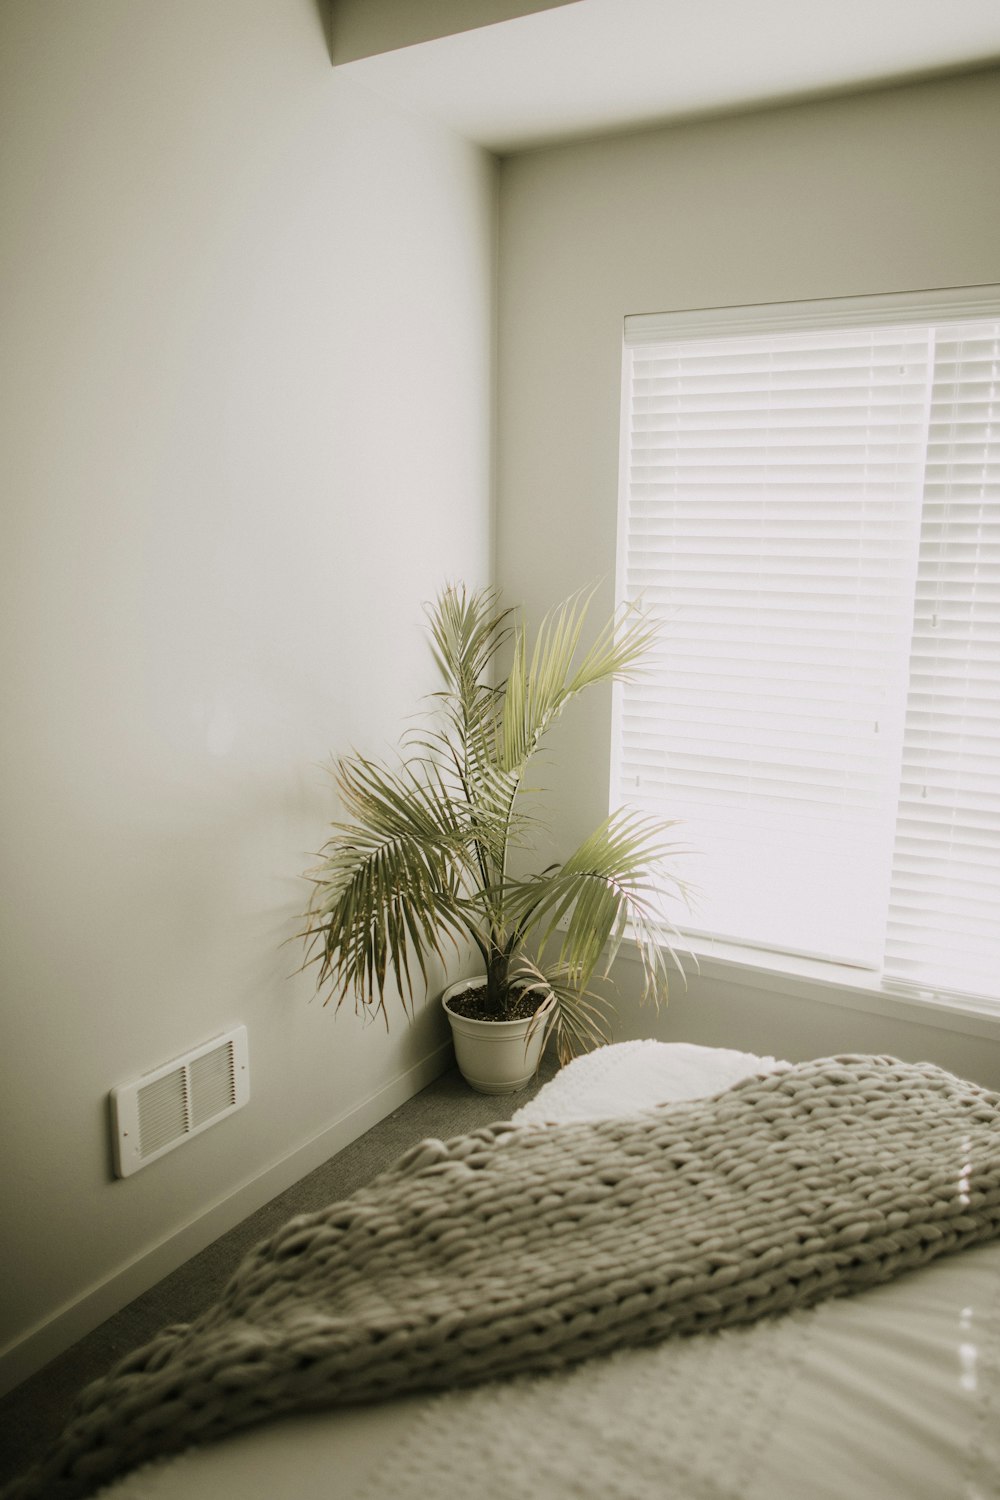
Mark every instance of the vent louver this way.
pixel 167 1106
pixel 213 1084
pixel 163 1112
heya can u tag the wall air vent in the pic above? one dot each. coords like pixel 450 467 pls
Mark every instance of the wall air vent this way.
pixel 160 1110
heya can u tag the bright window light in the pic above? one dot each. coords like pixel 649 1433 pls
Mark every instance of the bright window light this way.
pixel 811 497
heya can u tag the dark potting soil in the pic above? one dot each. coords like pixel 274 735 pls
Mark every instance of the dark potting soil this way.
pixel 520 1005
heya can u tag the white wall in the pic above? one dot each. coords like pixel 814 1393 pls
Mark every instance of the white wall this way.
pixel 885 192
pixel 248 344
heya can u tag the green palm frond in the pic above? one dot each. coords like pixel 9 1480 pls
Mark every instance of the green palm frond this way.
pixel 390 886
pixel 422 863
pixel 618 650
pixel 611 886
pixel 411 799
pixel 539 687
pixel 466 631
pixel 579 1020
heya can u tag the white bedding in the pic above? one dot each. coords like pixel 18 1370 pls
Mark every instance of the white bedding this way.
pixel 890 1395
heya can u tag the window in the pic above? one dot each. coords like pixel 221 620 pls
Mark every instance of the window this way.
pixel 811 496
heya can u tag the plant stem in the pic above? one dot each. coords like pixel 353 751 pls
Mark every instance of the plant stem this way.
pixel 496 981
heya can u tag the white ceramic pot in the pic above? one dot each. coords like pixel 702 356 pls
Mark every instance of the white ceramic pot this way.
pixel 496 1057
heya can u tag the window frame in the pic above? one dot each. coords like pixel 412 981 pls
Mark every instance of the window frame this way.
pixel 819 978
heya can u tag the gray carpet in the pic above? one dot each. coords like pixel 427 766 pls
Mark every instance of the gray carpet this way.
pixel 34 1413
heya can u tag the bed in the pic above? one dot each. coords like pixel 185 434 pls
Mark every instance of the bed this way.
pixel 893 1392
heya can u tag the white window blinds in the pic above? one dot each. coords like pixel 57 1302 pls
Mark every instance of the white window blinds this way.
pixel 810 496
pixel 944 920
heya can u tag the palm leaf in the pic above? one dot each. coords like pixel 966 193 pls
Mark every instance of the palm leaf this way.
pixel 466 631
pixel 619 648
pixel 614 884
pixel 390 887
pixel 538 688
pixel 579 1019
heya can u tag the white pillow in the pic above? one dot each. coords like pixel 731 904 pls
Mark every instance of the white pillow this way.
pixel 628 1076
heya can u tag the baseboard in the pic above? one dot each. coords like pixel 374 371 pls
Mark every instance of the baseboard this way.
pixel 74 1320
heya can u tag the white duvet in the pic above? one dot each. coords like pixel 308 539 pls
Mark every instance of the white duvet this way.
pixel 890 1395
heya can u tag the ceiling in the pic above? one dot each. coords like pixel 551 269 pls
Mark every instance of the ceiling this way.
pixel 596 66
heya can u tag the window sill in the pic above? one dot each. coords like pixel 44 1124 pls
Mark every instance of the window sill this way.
pixel 830 984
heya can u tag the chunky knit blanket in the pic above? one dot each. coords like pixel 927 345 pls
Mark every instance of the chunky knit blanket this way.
pixel 524 1247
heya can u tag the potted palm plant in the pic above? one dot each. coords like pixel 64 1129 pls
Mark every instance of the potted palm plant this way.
pixel 432 857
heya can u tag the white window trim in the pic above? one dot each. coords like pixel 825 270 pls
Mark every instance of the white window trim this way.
pixel 938 303
pixel 820 982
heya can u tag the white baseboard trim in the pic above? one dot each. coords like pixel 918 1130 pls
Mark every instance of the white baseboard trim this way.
pixel 27 1354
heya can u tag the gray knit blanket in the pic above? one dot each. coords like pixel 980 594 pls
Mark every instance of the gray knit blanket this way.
pixel 526 1247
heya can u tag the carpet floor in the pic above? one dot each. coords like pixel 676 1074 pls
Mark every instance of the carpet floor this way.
pixel 32 1414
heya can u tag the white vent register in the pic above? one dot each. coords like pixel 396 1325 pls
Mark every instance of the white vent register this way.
pixel 167 1106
